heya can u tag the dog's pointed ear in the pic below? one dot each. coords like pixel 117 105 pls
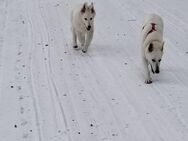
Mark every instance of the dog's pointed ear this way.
pixel 83 10
pixel 150 48
pixel 92 8
pixel 162 46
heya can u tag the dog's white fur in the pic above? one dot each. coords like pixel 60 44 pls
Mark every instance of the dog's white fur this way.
pixel 152 45
pixel 82 19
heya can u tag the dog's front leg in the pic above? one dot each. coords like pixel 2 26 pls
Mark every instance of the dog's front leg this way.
pixel 81 38
pixel 88 38
pixel 148 79
pixel 74 36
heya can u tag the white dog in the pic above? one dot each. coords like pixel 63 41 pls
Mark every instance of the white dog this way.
pixel 152 44
pixel 82 19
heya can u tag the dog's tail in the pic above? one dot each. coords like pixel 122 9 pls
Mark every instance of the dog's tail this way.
pixel 145 30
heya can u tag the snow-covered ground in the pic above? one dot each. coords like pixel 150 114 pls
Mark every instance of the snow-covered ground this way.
pixel 51 92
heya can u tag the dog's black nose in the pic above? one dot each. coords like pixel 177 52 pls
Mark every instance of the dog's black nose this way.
pixel 89 27
pixel 157 71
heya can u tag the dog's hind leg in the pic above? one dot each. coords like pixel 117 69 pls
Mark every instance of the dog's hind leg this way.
pixel 148 79
pixel 74 36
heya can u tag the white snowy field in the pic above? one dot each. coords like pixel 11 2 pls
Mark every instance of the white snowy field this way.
pixel 51 92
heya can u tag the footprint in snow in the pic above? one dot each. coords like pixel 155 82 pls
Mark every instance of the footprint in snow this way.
pixel 19 53
pixel 21 110
pixel 24 122
pixel 21 98
pixel 19 88
pixel 114 134
pixel 25 135
pixel 56 5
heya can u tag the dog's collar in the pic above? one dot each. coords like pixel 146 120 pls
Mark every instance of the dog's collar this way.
pixel 152 29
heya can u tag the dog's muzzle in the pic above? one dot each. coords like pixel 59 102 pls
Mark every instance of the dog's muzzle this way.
pixel 157 69
pixel 89 27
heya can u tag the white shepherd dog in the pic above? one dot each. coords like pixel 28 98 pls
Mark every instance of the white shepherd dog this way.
pixel 152 45
pixel 82 19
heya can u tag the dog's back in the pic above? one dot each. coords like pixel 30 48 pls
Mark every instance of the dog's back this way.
pixel 152 22
pixel 153 18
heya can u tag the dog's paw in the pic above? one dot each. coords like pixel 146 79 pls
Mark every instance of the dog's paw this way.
pixel 84 51
pixel 75 47
pixel 148 81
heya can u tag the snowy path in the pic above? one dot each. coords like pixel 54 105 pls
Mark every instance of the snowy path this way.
pixel 50 92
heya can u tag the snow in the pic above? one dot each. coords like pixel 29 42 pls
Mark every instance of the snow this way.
pixel 51 92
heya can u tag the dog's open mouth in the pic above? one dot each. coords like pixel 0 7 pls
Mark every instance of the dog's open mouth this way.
pixel 88 28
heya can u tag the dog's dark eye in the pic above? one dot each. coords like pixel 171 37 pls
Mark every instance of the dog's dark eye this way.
pixel 153 60
pixel 90 18
pixel 159 60
pixel 86 19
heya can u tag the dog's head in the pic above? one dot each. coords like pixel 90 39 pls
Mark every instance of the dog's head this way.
pixel 88 15
pixel 154 53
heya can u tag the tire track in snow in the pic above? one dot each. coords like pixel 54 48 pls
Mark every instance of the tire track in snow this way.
pixel 5 11
pixel 51 73
pixel 33 90
pixel 51 81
